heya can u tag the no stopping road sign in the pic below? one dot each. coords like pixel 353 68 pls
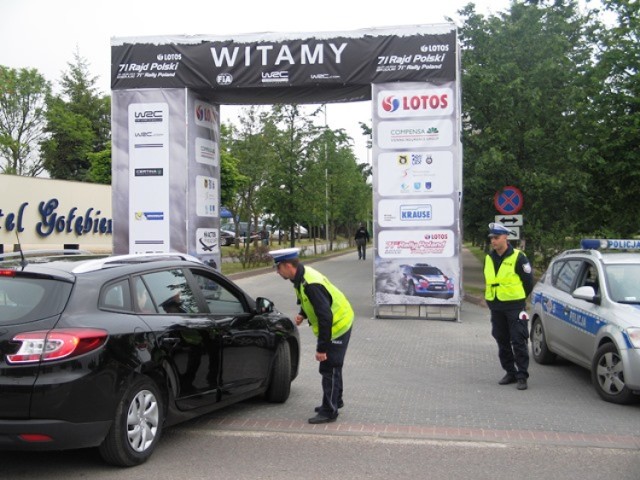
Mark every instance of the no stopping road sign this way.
pixel 508 201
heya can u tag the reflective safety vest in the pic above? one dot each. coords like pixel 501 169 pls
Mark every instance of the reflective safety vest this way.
pixel 506 285
pixel 340 306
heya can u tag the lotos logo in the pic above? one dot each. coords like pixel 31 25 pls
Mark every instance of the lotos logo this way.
pixel 390 104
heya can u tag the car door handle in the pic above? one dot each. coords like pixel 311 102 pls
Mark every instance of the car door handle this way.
pixel 170 341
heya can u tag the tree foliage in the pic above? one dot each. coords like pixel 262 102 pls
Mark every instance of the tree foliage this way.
pixel 22 111
pixel 78 125
pixel 525 90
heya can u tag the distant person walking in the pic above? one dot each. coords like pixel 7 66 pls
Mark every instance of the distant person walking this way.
pixel 330 316
pixel 509 280
pixel 362 238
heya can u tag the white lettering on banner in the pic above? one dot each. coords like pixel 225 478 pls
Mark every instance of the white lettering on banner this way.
pixel 269 56
pixel 411 243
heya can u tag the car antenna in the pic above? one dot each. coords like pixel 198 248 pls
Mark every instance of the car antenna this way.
pixel 23 262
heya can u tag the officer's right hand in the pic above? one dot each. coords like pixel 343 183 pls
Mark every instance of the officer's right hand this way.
pixel 299 319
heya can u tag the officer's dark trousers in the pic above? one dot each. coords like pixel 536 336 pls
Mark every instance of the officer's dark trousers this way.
pixel 331 371
pixel 511 333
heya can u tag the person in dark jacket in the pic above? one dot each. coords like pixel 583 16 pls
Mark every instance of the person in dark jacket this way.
pixel 362 238
pixel 330 316
pixel 509 281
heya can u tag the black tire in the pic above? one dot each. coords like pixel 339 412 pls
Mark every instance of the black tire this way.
pixel 411 289
pixel 539 349
pixel 608 377
pixel 137 426
pixel 280 382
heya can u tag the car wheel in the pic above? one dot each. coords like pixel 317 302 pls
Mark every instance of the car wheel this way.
pixel 280 382
pixel 136 427
pixel 411 289
pixel 539 348
pixel 608 376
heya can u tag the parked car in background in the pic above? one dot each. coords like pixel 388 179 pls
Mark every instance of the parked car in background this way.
pixel 586 309
pixel 426 280
pixel 108 351
pixel 245 230
pixel 227 237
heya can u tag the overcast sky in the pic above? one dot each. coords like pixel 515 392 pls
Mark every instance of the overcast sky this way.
pixel 44 34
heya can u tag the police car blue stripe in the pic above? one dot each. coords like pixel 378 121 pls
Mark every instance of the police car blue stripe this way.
pixel 575 317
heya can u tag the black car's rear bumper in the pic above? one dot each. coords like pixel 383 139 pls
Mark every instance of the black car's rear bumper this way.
pixel 15 434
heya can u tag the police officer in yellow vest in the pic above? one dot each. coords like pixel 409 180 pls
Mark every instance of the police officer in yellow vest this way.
pixel 330 316
pixel 509 280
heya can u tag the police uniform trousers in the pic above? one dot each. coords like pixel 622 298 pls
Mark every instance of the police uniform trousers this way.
pixel 331 371
pixel 511 334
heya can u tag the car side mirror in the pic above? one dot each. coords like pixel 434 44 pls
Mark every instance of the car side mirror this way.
pixel 586 293
pixel 264 305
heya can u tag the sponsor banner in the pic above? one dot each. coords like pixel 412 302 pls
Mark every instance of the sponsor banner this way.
pixel 435 212
pixel 415 173
pixel 416 243
pixel 207 241
pixel 148 182
pixel 206 151
pixel 415 134
pixel 206 196
pixel 415 103
pixel 337 60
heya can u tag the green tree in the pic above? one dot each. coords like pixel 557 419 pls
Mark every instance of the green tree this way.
pixel 610 125
pixel 22 116
pixel 78 124
pixel 523 77
pixel 290 134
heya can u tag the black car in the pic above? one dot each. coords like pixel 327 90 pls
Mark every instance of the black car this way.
pixel 106 352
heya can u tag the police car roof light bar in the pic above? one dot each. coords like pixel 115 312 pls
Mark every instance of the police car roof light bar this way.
pixel 605 244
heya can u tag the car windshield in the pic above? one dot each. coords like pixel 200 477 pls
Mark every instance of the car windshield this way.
pixel 426 271
pixel 624 283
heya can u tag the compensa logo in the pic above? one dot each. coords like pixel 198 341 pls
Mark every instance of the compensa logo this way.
pixel 390 104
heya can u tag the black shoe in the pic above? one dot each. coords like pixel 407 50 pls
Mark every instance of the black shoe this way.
pixel 507 379
pixel 321 419
pixel 317 409
pixel 522 384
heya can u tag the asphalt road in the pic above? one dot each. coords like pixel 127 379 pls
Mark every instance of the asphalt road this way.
pixel 421 401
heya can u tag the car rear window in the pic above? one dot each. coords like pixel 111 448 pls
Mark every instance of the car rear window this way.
pixel 25 299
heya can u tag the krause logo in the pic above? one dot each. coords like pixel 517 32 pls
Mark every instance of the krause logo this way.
pixel 275 77
pixel 413 213
pixel 415 103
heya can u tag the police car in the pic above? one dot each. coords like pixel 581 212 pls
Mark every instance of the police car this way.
pixel 586 308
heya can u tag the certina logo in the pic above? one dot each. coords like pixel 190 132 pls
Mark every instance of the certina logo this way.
pixel 148 116
pixel 275 55
pixel 415 103
pixel 271 77
pixel 224 79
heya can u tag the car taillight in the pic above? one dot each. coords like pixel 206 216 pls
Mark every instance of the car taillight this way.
pixel 7 272
pixel 56 344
